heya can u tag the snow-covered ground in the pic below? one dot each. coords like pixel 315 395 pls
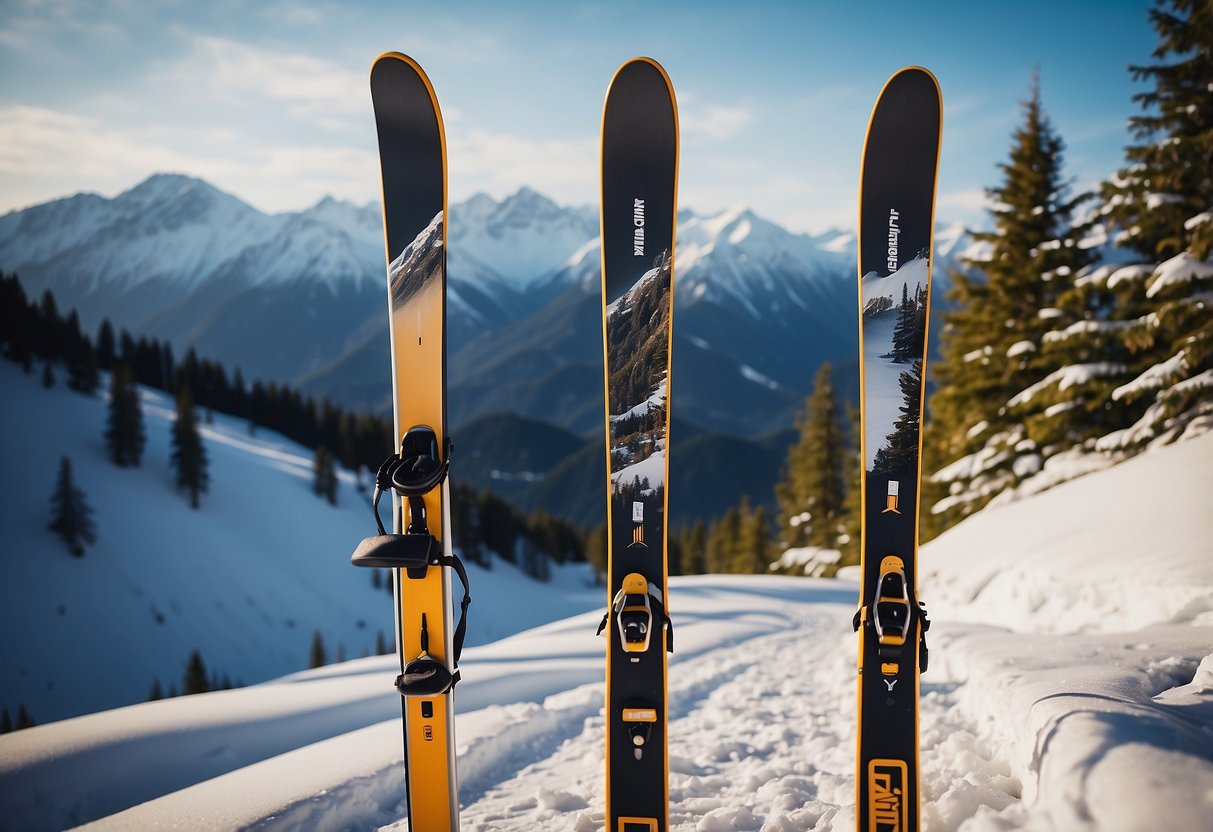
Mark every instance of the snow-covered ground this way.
pixel 1070 688
pixel 246 579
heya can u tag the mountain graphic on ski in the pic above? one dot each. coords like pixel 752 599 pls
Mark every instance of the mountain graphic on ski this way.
pixel 419 267
pixel 412 156
pixel 638 210
pixel 897 202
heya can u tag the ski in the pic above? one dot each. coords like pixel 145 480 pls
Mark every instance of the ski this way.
pixel 412 156
pixel 638 213
pixel 896 217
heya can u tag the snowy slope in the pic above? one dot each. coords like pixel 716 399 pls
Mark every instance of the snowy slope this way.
pixel 1034 716
pixel 246 579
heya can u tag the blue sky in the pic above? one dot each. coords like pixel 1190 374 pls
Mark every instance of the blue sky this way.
pixel 269 100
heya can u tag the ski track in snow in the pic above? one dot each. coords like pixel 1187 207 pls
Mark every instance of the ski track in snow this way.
pixel 1061 706
pixel 758 739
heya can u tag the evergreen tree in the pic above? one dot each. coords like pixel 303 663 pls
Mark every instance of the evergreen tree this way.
pixel 188 453
pixel 318 658
pixel 83 376
pixel 899 453
pixel 195 680
pixel 24 720
pixel 991 341
pixel 1153 317
pixel 124 434
pixel 596 550
pixel 752 552
pixel 6 722
pixel 694 544
pixel 105 345
pixel 48 376
pixel 811 494
pixel 156 693
pixel 722 542
pixel 324 475
pixel 852 508
pixel 381 647
pixel 71 516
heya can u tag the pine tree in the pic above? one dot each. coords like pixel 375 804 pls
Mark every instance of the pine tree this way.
pixel 105 345
pixel 852 508
pixel 752 553
pixel 899 453
pixel 124 434
pixel 24 720
pixel 1154 316
pixel 71 515
pixel 48 376
pixel 156 693
pixel 195 680
pixel 812 493
pixel 381 647
pixel 978 442
pixel 722 542
pixel 318 658
pixel 324 475
pixel 188 453
pixel 694 543
pixel 6 722
pixel 83 376
pixel 596 550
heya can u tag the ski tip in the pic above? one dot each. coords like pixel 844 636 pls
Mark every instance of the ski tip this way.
pixel 912 74
pixel 394 56
pixel 643 61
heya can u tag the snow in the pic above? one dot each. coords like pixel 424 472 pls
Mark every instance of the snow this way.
pixel 1020 348
pixel 1066 377
pixel 1154 201
pixel 809 560
pixel 1199 219
pixel 1070 687
pixel 1180 269
pixel 246 579
pixel 912 274
pixel 750 374
pixel 651 468
pixel 655 399
pixel 620 303
pixel 1154 377
pixel 522 239
pixel 1130 274
pixel 1119 568
pixel 1084 327
pixel 882 391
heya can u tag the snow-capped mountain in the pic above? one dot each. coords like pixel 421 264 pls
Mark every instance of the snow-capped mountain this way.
pixel 757 307
pixel 523 239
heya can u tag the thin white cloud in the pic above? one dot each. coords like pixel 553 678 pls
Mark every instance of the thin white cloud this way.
pixel 971 200
pixel 43 156
pixel 500 163
pixel 713 121
pixel 38 143
pixel 305 86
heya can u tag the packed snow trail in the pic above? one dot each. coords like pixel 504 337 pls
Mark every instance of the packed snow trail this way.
pixel 1037 712
pixel 761 735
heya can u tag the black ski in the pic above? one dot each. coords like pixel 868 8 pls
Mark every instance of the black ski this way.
pixel 412 155
pixel 639 187
pixel 897 201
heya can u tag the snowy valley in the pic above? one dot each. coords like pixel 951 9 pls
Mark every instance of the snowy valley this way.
pixel 1070 686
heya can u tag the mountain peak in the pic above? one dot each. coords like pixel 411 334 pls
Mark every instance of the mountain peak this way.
pixel 168 185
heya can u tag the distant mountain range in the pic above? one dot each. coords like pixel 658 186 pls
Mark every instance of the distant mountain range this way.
pixel 299 298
